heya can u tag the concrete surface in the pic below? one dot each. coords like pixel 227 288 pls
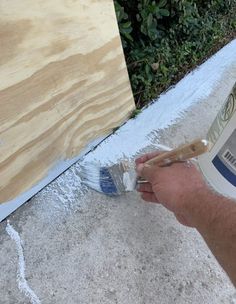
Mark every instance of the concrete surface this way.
pixel 83 247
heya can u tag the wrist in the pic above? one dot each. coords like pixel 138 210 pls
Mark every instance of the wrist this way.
pixel 203 207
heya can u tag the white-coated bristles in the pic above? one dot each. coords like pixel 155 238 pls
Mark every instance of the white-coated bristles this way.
pixel 90 175
pixel 117 178
pixel 122 176
pixel 105 179
pixel 129 180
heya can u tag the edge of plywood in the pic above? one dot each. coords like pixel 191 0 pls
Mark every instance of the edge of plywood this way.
pixel 10 206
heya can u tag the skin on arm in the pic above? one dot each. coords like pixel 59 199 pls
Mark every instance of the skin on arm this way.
pixel 182 190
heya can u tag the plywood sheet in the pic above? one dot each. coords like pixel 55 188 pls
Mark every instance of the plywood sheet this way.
pixel 63 83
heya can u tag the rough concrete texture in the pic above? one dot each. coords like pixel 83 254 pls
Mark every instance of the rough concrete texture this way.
pixel 83 247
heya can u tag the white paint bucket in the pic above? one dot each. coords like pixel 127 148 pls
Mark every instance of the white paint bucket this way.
pixel 219 164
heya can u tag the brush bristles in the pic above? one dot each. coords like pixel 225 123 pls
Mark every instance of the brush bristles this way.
pixel 107 184
pixel 90 176
pixel 98 178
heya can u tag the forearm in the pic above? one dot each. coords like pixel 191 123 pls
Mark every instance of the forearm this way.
pixel 215 218
pixel 182 190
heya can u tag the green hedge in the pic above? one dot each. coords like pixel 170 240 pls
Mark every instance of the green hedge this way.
pixel 164 39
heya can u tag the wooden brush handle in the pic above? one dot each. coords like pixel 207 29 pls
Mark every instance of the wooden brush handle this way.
pixel 182 153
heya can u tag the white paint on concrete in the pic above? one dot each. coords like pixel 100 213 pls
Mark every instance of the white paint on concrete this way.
pixel 22 282
pixel 97 249
pixel 58 168
pixel 171 106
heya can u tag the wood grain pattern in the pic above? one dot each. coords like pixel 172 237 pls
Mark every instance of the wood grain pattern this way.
pixel 63 83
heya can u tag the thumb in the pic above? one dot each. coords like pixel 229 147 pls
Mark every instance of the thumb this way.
pixel 146 171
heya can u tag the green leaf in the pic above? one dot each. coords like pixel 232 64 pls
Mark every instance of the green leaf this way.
pixel 149 20
pixel 162 3
pixel 170 37
pixel 164 12
pixel 147 69
pixel 127 25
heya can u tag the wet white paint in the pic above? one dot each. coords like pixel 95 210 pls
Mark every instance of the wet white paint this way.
pixel 59 167
pixel 138 133
pixel 129 181
pixel 22 282
pixel 170 108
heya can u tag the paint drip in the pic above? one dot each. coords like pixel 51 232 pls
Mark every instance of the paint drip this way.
pixel 22 282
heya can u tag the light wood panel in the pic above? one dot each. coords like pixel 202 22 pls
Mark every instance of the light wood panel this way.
pixel 63 83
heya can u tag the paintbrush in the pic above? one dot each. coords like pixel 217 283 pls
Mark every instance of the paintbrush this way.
pixel 122 177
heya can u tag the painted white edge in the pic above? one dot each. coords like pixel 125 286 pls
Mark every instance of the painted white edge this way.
pixel 216 74
pixel 196 87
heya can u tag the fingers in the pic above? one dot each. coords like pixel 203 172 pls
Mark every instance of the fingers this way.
pixel 145 188
pixel 146 157
pixel 149 197
pixel 146 171
pixel 147 193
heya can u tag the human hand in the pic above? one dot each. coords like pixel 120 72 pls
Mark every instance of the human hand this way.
pixel 176 187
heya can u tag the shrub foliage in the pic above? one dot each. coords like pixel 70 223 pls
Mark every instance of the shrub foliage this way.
pixel 163 39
